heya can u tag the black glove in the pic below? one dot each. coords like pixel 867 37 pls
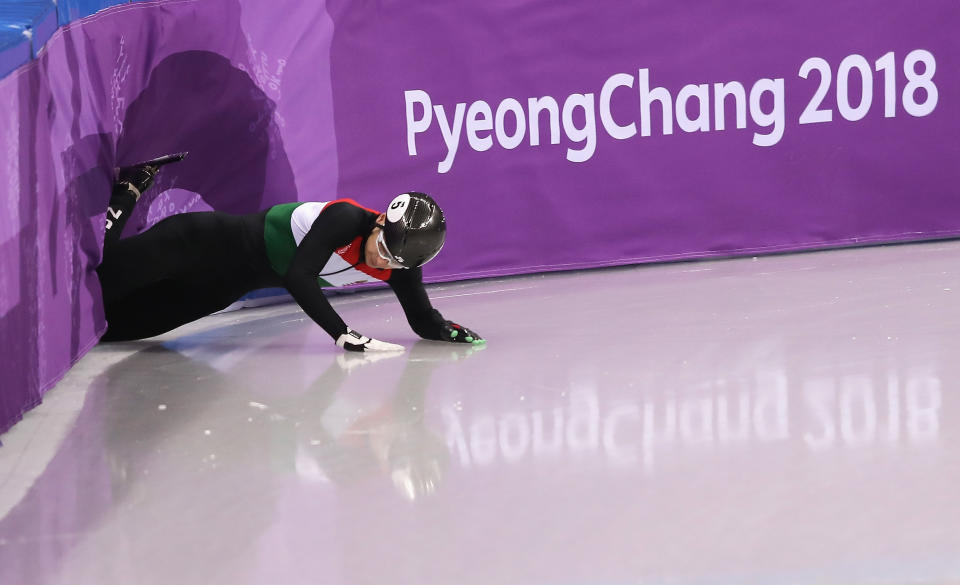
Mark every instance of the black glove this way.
pixel 140 177
pixel 353 341
pixel 452 332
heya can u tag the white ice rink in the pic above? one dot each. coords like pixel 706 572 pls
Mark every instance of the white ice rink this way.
pixel 781 420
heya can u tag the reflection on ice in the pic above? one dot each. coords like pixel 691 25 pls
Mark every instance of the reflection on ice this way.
pixel 634 427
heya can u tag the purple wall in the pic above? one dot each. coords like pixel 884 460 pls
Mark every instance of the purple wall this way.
pixel 336 106
pixel 122 86
pixel 688 194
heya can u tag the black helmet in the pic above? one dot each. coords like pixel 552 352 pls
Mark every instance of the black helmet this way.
pixel 415 229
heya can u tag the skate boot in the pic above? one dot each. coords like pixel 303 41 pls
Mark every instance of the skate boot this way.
pixel 137 179
pixel 131 183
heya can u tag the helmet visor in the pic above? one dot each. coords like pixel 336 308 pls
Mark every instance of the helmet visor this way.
pixel 384 253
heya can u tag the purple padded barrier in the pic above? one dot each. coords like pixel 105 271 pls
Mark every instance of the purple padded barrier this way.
pixel 690 194
pixel 124 85
pixel 304 100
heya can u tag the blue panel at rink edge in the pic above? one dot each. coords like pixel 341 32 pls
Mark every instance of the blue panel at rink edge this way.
pixel 14 49
pixel 25 26
pixel 44 27
pixel 16 31
pixel 70 10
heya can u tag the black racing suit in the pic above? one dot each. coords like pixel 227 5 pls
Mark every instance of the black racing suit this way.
pixel 190 265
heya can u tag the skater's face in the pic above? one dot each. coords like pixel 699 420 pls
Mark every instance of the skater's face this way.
pixel 376 254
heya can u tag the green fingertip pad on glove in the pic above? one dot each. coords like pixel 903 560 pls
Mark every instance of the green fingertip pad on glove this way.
pixel 479 341
pixel 468 338
pixel 454 333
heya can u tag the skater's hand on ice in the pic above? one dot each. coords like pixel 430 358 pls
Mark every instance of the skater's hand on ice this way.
pixel 353 341
pixel 452 332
